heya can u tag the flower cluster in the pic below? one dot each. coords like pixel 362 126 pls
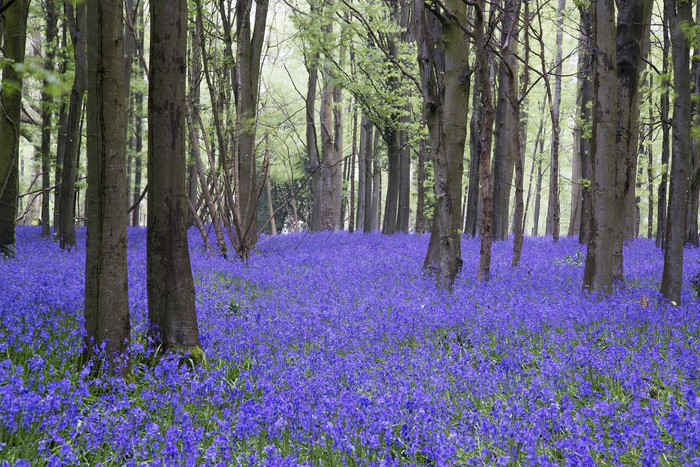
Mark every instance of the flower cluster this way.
pixel 332 349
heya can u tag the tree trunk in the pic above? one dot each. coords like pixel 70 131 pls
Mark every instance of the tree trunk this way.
pixel 474 153
pixel 505 152
pixel 420 190
pixel 632 21
pixel 693 206
pixel 485 133
pixel 77 23
pixel 519 138
pixel 665 140
pixel 171 310
pixel 248 54
pixel 585 76
pixel 552 226
pixel 370 180
pixel 444 76
pixel 650 163
pixel 312 147
pixel 598 271
pixel 106 286
pixel 353 157
pixel 404 214
pixel 46 115
pixel 15 19
pixel 328 151
pixel 679 15
pixel 365 126
pixel 376 196
pixel 391 207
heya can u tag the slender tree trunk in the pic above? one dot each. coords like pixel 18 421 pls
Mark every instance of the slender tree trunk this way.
pixel 353 157
pixel 420 189
pixel 632 20
pixel 248 53
pixel 15 23
pixel 337 180
pixel 106 286
pixel 328 151
pixel 391 137
pixel 365 126
pixel 650 163
pixel 376 196
pixel 370 188
pixel 691 230
pixel 404 214
pixel 171 310
pixel 485 132
pixel 678 14
pixel 519 138
pixel 586 120
pixel 665 140
pixel 553 209
pixel 77 23
pixel 538 195
pixel 473 194
pixel 598 271
pixel 505 152
pixel 312 147
pixel 46 116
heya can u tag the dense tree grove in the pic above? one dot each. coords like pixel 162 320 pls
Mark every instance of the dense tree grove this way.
pixel 399 116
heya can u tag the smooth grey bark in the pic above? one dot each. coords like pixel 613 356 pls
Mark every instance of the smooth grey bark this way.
pixel 14 31
pixel 585 77
pixel 444 78
pixel 505 151
pixel 353 157
pixel 485 137
pixel 664 105
pixel 553 207
pixel 420 188
pixel 330 166
pixel 632 20
pixel 46 115
pixel 106 287
pixel 362 179
pixel 171 311
pixel 691 229
pixel 391 206
pixel 598 271
pixel 471 227
pixel 371 181
pixel 312 146
pixel 247 75
pixel 77 24
pixel 678 13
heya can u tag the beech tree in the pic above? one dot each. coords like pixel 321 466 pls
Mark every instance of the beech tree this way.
pixel 442 58
pixel 70 131
pixel 106 287
pixel 597 276
pixel 171 311
pixel 679 16
pixel 14 23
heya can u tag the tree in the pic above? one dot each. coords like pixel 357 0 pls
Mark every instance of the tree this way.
pixel 632 20
pixel 597 276
pixel 106 287
pixel 247 75
pixel 679 16
pixel 46 114
pixel 443 65
pixel 14 22
pixel 77 24
pixel 171 310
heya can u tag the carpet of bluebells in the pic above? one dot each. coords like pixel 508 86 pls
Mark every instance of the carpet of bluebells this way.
pixel 333 349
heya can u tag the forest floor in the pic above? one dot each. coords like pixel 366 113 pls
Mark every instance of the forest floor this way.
pixel 332 349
